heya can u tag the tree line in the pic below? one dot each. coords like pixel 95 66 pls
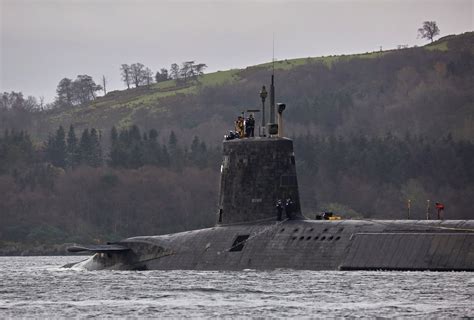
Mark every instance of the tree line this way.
pixel 76 188
pixel 130 148
pixel 72 188
pixel 83 89
pixel 137 74
pixel 375 176
pixel 76 92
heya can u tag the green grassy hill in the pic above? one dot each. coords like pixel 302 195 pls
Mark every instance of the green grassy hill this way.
pixel 392 78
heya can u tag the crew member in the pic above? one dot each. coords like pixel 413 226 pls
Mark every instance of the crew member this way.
pixel 249 126
pixel 289 207
pixel 279 207
pixel 239 126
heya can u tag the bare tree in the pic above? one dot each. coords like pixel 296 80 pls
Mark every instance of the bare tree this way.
pixel 429 30
pixel 187 70
pixel 41 103
pixel 126 74
pixel 148 76
pixel 199 69
pixel 137 72
pixel 174 71
pixel 191 71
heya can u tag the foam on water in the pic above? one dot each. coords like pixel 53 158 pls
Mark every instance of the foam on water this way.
pixel 38 287
pixel 82 265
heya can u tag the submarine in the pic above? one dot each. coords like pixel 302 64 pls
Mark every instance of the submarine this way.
pixel 258 182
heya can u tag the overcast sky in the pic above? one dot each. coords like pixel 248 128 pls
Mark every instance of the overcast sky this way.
pixel 43 41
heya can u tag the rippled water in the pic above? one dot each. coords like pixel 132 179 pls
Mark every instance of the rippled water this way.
pixel 38 287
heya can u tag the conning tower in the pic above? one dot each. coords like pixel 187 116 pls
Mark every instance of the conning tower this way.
pixel 255 174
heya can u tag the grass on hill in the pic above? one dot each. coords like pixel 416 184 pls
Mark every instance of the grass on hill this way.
pixel 120 106
pixel 441 46
pixel 327 60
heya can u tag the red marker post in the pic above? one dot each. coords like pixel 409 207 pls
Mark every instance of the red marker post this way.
pixel 440 208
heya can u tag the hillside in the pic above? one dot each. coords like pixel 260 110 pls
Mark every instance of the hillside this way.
pixel 371 131
pixel 424 91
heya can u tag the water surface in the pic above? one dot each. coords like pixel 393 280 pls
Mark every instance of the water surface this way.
pixel 38 287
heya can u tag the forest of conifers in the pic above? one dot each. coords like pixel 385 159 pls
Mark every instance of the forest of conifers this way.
pixel 370 133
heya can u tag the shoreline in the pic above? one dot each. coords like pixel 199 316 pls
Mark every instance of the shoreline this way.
pixel 9 249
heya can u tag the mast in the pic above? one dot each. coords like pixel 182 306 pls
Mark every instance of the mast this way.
pixel 272 86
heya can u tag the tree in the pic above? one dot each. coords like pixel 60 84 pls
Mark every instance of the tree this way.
pixel 41 103
pixel 126 74
pixel 199 69
pixel 148 76
pixel 187 70
pixel 114 136
pixel 84 147
pixel 15 101
pixel 137 72
pixel 80 91
pixel 56 148
pixel 161 75
pixel 95 157
pixel 64 92
pixel 116 157
pixel 429 30
pixel 174 71
pixel 172 142
pixel 84 89
pixel 16 111
pixel 174 152
pixel 198 155
pixel 71 150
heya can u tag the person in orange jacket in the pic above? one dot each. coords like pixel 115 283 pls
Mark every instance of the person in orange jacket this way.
pixel 239 126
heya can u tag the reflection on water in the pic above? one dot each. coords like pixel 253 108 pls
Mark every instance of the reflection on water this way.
pixel 38 287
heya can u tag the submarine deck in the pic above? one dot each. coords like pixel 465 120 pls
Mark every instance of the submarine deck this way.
pixel 317 245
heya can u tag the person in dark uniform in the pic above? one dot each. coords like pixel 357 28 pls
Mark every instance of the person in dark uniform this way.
pixel 279 207
pixel 289 207
pixel 249 126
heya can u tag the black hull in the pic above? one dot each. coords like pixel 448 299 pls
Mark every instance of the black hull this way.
pixel 303 244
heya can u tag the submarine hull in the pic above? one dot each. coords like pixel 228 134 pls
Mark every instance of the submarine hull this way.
pixel 301 244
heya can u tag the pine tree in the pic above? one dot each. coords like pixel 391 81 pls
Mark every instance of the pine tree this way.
pixel 56 148
pixel 95 159
pixel 194 154
pixel 198 154
pixel 172 142
pixel 72 157
pixel 152 149
pixel 116 156
pixel 175 153
pixel 136 158
pixel 135 133
pixel 85 147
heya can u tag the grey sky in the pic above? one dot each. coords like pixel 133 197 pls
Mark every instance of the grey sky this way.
pixel 43 41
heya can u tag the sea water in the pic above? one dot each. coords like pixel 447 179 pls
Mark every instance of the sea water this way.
pixel 38 287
